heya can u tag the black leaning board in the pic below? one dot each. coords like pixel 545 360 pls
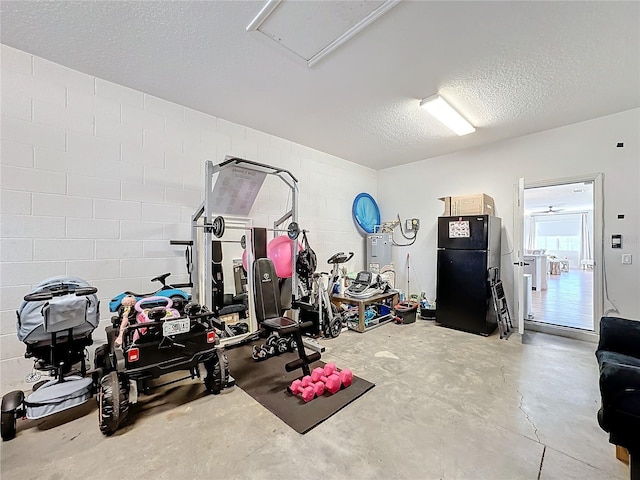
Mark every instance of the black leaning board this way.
pixel 267 381
pixel 217 273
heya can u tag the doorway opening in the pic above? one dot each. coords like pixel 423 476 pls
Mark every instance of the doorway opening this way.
pixel 559 255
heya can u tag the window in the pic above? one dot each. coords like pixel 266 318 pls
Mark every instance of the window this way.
pixel 558 232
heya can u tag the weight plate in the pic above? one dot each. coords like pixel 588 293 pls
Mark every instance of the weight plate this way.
pixel 241 328
pixel 272 339
pixel 243 242
pixel 282 345
pixel 218 227
pixel 259 353
pixel 293 230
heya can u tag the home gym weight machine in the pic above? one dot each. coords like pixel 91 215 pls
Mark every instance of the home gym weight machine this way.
pixel 231 188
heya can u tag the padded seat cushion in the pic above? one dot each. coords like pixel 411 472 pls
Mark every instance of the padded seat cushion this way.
pixel 267 292
pixel 279 323
pixel 620 335
pixel 232 309
pixel 618 372
pixel 605 356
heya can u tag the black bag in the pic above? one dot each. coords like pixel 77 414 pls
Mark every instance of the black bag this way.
pixel 307 261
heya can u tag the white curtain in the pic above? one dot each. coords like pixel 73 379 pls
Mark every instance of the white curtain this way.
pixel 530 241
pixel 586 234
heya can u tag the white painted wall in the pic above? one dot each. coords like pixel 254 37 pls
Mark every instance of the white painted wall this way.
pixel 579 149
pixel 97 178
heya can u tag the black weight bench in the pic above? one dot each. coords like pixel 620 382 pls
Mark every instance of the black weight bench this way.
pixel 269 313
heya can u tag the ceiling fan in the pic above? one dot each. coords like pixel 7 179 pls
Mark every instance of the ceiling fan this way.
pixel 551 209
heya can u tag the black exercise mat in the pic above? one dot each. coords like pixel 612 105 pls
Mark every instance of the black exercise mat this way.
pixel 267 383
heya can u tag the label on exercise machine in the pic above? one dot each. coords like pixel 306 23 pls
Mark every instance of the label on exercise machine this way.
pixel 235 190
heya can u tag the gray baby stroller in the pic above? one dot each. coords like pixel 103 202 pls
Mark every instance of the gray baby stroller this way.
pixel 55 321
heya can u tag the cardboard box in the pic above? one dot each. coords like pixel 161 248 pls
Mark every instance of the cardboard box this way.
pixel 230 318
pixel 480 204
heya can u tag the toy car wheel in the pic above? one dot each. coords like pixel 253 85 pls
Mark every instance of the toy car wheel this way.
pixel 113 401
pixel 8 426
pixel 217 372
pixel 101 358
pixel 37 385
pixel 112 334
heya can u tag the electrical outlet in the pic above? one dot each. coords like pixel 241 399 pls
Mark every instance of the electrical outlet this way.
pixel 626 259
pixel 412 224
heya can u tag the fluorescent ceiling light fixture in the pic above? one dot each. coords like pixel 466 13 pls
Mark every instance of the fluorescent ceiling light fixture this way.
pixel 445 113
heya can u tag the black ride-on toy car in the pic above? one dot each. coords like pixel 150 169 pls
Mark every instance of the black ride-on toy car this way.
pixel 150 343
pixel 55 321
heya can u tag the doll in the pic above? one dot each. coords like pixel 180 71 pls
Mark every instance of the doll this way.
pixel 127 302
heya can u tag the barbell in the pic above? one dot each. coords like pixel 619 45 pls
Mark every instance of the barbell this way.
pixel 218 227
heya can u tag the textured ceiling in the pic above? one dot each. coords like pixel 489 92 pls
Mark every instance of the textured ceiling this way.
pixel 511 68
pixel 569 197
pixel 306 28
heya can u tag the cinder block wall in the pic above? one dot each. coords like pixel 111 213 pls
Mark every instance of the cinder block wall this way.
pixel 97 178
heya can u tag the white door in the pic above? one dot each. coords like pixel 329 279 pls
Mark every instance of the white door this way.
pixel 599 288
pixel 518 255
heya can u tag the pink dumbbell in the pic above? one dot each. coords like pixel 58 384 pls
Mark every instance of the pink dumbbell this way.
pixel 346 375
pixel 332 379
pixel 318 387
pixel 306 389
pixel 305 392
pixel 331 382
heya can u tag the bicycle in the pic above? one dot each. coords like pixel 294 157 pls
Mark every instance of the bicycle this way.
pixel 329 319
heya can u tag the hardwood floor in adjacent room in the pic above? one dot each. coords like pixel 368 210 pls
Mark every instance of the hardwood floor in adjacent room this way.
pixel 568 300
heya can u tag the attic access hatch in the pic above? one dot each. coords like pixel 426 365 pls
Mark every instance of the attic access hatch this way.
pixel 312 30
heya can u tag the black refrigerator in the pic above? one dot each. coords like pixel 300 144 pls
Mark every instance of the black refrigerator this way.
pixel 467 246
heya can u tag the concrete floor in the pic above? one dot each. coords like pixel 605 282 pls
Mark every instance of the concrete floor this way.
pixel 447 405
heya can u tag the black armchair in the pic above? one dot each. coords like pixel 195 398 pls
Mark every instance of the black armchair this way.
pixel 618 357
